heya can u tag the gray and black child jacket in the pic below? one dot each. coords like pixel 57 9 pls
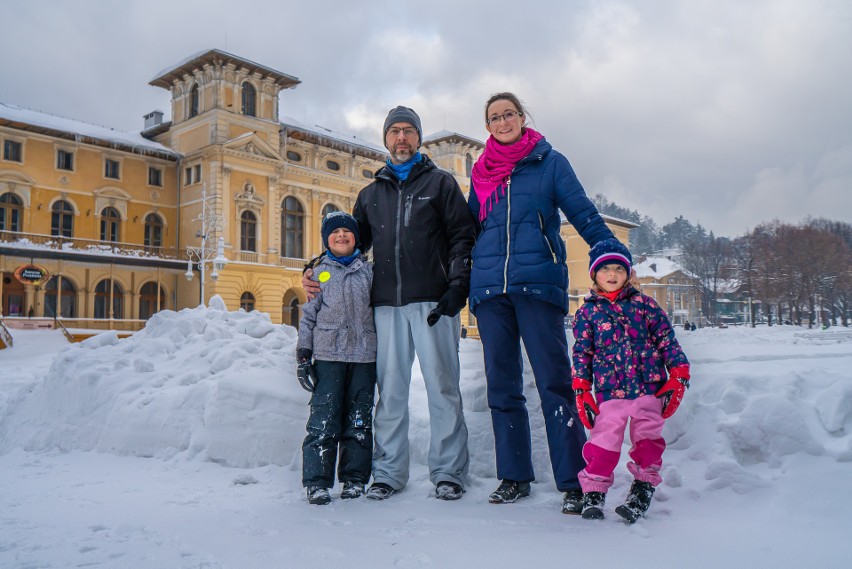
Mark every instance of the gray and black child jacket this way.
pixel 338 323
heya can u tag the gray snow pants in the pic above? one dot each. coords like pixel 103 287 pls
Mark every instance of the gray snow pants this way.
pixel 402 331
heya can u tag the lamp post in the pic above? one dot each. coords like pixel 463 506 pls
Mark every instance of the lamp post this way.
pixel 210 221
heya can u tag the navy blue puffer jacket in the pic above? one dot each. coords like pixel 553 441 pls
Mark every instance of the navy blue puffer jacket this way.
pixel 518 246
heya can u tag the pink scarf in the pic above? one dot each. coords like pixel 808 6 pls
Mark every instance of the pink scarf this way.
pixel 496 164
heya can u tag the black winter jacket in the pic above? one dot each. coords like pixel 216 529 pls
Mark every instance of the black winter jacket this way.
pixel 421 232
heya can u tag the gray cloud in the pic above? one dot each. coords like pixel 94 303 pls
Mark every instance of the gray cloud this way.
pixel 728 113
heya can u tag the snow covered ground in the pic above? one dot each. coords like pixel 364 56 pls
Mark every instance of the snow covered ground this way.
pixel 181 448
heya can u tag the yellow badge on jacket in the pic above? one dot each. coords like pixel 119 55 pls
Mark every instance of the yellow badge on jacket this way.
pixel 324 276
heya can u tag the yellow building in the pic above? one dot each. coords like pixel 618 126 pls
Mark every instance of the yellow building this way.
pixel 102 228
pixel 671 286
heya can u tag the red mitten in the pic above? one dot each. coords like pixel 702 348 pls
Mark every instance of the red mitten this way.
pixel 673 390
pixel 587 408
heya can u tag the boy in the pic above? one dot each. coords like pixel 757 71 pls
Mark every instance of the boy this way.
pixel 336 355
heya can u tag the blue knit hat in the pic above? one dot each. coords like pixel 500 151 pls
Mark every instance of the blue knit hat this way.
pixel 335 220
pixel 609 252
pixel 403 114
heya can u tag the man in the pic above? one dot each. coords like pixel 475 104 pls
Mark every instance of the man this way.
pixel 417 222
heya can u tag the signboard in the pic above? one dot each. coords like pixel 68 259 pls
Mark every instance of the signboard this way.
pixel 31 274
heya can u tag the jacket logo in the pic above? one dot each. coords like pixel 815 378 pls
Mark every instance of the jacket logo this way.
pixel 421 198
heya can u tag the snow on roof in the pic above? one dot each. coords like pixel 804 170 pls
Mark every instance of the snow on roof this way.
pixel 656 267
pixel 133 140
pixel 333 134
pixel 198 59
pixel 442 134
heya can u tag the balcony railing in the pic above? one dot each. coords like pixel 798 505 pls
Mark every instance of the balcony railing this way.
pixel 21 240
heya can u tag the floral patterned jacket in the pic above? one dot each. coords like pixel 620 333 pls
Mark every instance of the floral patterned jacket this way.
pixel 624 347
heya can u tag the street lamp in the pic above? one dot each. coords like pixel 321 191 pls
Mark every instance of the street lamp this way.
pixel 203 255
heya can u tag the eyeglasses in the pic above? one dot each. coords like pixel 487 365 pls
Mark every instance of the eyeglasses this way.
pixel 407 131
pixel 507 116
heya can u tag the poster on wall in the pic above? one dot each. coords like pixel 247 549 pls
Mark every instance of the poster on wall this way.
pixel 31 274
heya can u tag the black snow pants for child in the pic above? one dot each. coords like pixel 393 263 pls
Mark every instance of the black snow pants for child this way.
pixel 341 414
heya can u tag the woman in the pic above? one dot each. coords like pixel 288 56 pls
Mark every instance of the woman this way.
pixel 519 290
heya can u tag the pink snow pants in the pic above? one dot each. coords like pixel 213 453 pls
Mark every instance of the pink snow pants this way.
pixel 603 448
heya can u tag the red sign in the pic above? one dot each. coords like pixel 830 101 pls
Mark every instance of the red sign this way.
pixel 31 274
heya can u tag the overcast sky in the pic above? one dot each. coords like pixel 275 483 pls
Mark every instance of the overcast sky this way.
pixel 727 112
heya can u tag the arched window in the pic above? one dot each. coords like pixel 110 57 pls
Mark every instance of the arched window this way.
pixel 110 222
pixel 292 228
pixel 193 101
pixel 328 208
pixel 247 301
pixel 294 156
pixel 102 295
pixel 66 298
pixel 249 100
pixel 332 165
pixel 153 231
pixel 290 312
pixel 248 232
pixel 148 302
pixel 62 219
pixel 468 164
pixel 11 212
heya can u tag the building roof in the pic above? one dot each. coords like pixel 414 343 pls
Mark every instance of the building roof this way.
pixel 321 132
pixel 656 268
pixel 186 66
pixel 29 120
pixel 449 136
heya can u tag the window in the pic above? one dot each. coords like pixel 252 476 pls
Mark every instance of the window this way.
pixel 468 164
pixel 247 301
pixel 11 212
pixel 193 101
pixel 153 231
pixel 65 300
pixel 292 228
pixel 248 232
pixel 149 304
pixel 367 174
pixel 110 222
pixel 192 175
pixel 332 165
pixel 64 160
pixel 328 209
pixel 12 151
pixel 102 296
pixel 294 156
pixel 155 177
pixel 249 100
pixel 62 219
pixel 111 169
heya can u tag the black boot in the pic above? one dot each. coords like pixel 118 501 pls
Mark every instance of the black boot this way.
pixel 637 502
pixel 593 503
pixel 318 496
pixel 509 491
pixel 572 502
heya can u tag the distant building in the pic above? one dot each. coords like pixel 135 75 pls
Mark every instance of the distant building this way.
pixel 674 289
pixel 95 224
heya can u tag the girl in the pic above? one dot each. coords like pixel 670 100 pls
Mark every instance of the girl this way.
pixel 623 345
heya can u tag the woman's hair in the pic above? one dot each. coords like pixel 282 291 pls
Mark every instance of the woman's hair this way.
pixel 507 96
pixel 632 280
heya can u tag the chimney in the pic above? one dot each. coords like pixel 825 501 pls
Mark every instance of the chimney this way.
pixel 153 119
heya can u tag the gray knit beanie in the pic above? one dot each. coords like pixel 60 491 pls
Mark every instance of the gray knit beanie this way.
pixel 403 114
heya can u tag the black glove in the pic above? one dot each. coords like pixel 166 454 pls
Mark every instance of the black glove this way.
pixel 450 304
pixel 305 371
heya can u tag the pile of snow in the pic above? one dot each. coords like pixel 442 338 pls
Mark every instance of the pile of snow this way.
pixel 756 473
